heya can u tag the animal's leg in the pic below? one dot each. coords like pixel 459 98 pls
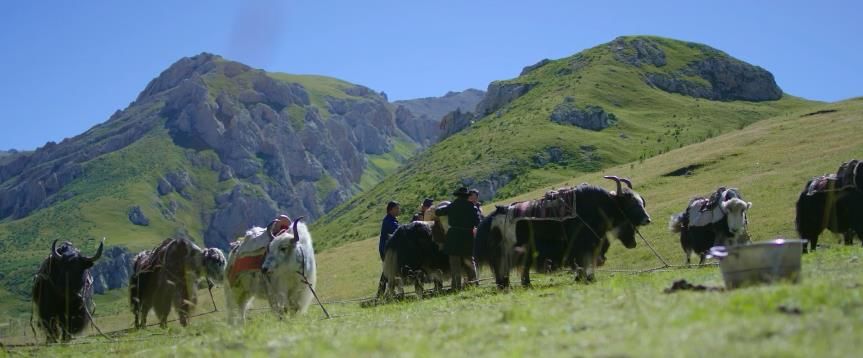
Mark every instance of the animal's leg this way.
pixel 848 237
pixel 585 262
pixel 162 306
pixel 418 288
pixel 382 286
pixel 51 330
pixel 145 306
pixel 702 256
pixel 184 304
pixel 230 304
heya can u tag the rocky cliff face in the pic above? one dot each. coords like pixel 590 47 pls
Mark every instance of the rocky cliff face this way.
pixel 272 136
pixel 714 76
pixel 420 118
pixel 112 271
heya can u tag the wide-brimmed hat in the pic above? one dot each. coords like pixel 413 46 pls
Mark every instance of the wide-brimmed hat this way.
pixel 461 192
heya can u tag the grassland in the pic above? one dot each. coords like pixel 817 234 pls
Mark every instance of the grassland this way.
pixel 507 143
pixel 621 314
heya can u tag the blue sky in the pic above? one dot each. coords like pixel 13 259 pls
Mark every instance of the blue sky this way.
pixel 68 65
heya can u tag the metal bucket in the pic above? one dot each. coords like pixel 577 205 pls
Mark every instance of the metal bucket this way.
pixel 760 262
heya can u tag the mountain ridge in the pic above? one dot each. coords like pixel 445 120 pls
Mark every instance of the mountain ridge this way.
pixel 578 114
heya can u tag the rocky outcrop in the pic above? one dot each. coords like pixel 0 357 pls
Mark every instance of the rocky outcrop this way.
pixel 499 94
pixel 238 210
pixel 113 270
pixel 455 122
pixel 531 68
pixel 137 217
pixel 489 185
pixel 722 78
pixel 638 52
pixel 593 118
pixel 420 118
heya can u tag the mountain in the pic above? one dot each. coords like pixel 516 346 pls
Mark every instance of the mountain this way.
pixel 622 101
pixel 420 118
pixel 209 148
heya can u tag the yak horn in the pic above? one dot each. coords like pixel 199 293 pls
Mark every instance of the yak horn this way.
pixel 627 182
pixel 616 180
pixel 54 249
pixel 98 251
pixel 296 234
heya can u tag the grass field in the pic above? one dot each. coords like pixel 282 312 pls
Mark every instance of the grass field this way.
pixel 621 314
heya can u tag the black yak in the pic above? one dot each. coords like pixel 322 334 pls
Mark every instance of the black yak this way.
pixel 596 212
pixel 834 203
pixel 63 291
pixel 413 256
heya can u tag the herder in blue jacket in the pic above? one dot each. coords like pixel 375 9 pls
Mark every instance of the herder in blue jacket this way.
pixel 388 227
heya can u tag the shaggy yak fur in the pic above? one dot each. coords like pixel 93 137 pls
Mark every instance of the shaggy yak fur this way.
pixel 838 208
pixel 168 276
pixel 63 291
pixel 576 242
pixel 286 278
pixel 722 223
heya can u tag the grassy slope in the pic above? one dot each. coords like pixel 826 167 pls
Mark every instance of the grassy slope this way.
pixel 621 314
pixel 651 121
pixel 127 177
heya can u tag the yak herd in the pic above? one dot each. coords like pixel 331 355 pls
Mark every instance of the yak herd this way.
pixel 566 228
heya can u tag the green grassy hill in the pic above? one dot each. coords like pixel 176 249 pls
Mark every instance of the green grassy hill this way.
pixel 513 148
pixel 621 314
pixel 96 202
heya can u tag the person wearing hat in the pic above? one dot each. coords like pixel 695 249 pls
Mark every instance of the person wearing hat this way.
pixel 463 218
pixel 423 214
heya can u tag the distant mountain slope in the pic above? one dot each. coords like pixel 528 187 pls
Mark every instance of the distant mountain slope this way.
pixel 420 118
pixel 209 148
pixel 630 99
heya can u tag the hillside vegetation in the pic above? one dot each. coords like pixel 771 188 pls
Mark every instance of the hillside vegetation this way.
pixel 515 146
pixel 210 148
pixel 621 314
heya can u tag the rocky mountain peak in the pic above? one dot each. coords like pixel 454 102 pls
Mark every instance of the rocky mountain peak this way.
pixel 185 68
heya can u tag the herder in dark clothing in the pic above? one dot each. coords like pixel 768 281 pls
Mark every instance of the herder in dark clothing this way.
pixel 388 227
pixel 463 218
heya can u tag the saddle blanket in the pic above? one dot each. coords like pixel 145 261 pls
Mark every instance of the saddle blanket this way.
pixel 822 184
pixel 555 205
pixel 245 263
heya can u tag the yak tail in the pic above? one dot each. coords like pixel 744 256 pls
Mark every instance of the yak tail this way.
pixel 677 222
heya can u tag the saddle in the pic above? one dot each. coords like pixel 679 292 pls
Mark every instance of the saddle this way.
pixel 251 251
pixel 554 205
pixel 822 184
pixel 713 200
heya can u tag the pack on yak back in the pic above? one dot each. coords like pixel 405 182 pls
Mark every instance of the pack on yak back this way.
pixel 250 251
pixel 845 178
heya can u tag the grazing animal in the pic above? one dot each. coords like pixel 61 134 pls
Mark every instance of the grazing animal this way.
pixel 834 203
pixel 168 276
pixel 285 273
pixel 598 212
pixel 63 291
pixel 413 256
pixel 706 222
